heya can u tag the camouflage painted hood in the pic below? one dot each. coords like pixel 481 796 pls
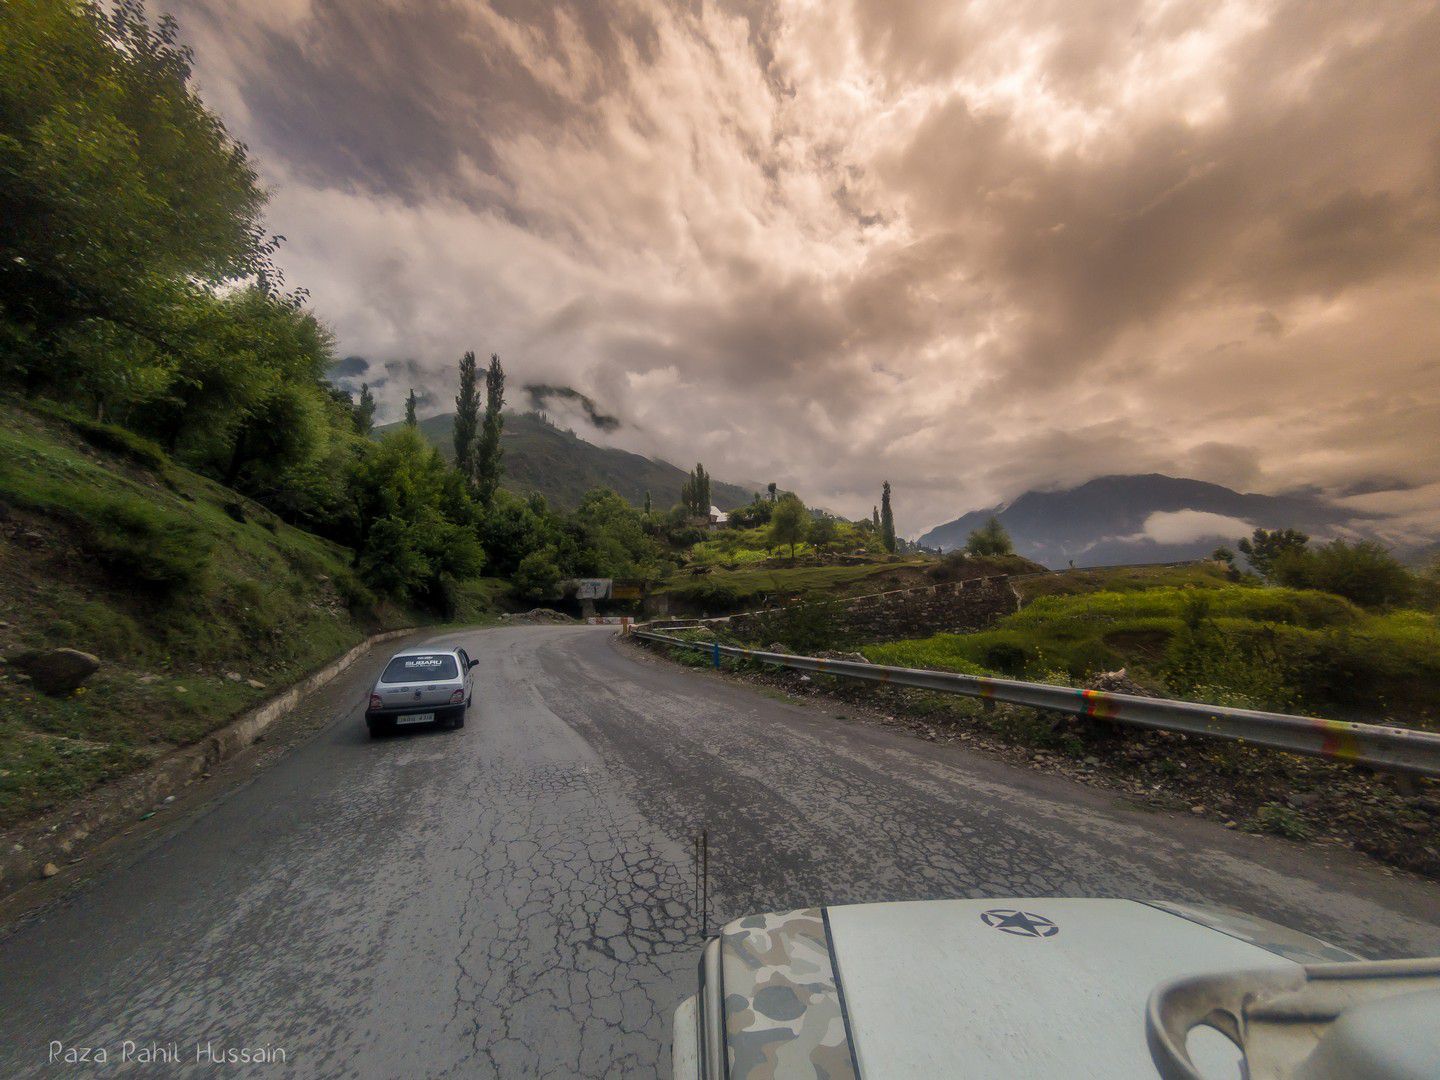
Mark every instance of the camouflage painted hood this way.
pixel 1012 988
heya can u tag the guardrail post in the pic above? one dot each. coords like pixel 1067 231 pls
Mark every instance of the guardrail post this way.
pixel 715 654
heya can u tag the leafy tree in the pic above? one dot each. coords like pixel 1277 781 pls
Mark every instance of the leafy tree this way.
pixel 489 466
pixel 124 196
pixel 756 513
pixel 990 539
pixel 1265 546
pixel 611 537
pixel 887 520
pixel 467 418
pixel 365 411
pixel 512 528
pixel 647 504
pixel 695 493
pixel 875 517
pixel 410 403
pixel 538 576
pixel 416 521
pixel 789 523
pixel 770 490
pixel 824 531
pixel 1363 572
pixel 1223 554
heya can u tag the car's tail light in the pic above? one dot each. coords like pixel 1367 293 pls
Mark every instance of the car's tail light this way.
pixel 457 697
pixel 375 702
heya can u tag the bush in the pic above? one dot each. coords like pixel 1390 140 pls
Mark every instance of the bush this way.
pixel 711 597
pixel 538 576
pixel 1280 820
pixel 804 628
pixel 1007 658
pixel 990 539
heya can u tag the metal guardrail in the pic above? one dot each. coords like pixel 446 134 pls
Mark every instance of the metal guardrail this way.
pixel 1392 749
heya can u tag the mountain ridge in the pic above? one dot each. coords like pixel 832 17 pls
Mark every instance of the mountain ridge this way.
pixel 556 463
pixel 1142 517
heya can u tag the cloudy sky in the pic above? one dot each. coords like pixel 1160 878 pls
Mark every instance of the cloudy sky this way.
pixel 972 248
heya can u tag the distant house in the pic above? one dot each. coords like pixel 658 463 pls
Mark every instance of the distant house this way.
pixel 718 518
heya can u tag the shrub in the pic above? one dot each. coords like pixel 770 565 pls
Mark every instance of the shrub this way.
pixel 711 596
pixel 538 576
pixel 1280 820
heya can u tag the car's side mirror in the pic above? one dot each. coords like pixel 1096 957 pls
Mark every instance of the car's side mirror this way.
pixel 474 663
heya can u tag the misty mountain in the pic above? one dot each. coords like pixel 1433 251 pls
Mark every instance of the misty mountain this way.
pixel 562 466
pixel 1143 518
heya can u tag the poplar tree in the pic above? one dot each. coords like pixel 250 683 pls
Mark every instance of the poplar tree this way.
pixel 467 418
pixel 365 411
pixel 887 520
pixel 488 464
pixel 410 420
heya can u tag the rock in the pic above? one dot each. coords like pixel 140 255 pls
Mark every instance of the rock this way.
pixel 234 676
pixel 56 671
pixel 32 538
pixel 1092 761
pixel 1299 800
pixel 169 798
pixel 255 684
pixel 1117 682
pixel 1197 810
pixel 1232 824
pixel 181 690
pixel 146 680
pixel 50 870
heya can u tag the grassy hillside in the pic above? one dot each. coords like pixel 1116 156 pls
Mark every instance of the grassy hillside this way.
pixel 1228 644
pixel 563 467
pixel 198 603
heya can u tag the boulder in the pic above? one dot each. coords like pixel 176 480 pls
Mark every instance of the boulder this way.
pixel 56 671
pixel 1118 682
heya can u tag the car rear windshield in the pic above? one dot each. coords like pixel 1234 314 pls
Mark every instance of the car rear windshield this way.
pixel 425 667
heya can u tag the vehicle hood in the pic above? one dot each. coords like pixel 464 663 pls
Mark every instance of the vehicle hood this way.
pixel 984 988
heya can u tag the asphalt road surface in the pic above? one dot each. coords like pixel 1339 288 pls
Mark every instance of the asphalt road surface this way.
pixel 518 898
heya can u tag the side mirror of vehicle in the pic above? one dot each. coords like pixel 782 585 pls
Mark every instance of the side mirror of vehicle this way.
pixel 474 663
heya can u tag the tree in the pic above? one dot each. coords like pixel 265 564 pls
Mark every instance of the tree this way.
pixel 824 532
pixel 365 411
pixel 489 464
pixel 1363 572
pixel 875 517
pixel 770 489
pixel 538 575
pixel 416 522
pixel 410 402
pixel 695 493
pixel 887 520
pixel 990 539
pixel 124 197
pixel 467 418
pixel 647 504
pixel 789 523
pixel 1265 546
pixel 1223 554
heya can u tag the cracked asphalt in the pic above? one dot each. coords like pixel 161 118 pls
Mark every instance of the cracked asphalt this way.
pixel 518 898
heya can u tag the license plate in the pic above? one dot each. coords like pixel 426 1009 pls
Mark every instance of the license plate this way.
pixel 416 718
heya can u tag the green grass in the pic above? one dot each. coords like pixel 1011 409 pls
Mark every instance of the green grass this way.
pixel 1120 579
pixel 116 552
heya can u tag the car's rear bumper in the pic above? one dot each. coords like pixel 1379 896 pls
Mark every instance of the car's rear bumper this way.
pixel 388 719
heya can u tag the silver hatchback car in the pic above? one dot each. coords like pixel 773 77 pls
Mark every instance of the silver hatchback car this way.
pixel 421 686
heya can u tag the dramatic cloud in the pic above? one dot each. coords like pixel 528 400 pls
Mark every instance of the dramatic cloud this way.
pixel 970 248
pixel 1187 526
